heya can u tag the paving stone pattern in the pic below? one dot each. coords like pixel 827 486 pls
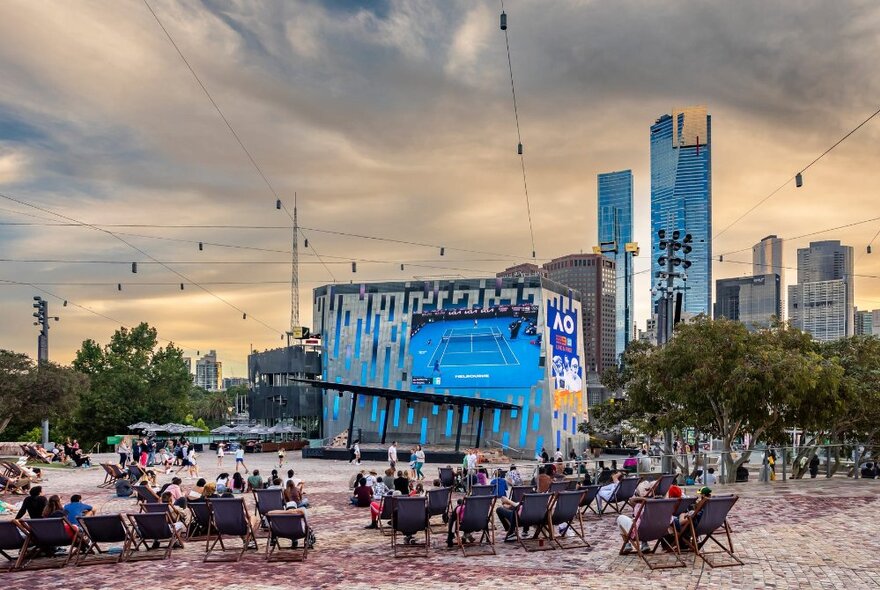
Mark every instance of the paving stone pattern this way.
pixel 800 534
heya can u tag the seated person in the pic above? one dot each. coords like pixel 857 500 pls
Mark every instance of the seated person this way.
pixel 506 515
pixel 195 493
pixel 455 515
pixel 275 485
pixel 867 472
pixel 608 491
pixel 291 476
pixel 222 482
pixel 604 476
pixel 178 514
pixel 500 484
pixel 482 476
pixel 376 507
pixel 542 481
pixel 401 483
pixel 255 481
pixel 238 483
pixel 419 490
pixel 710 479
pixel 14 485
pixel 293 496
pixel 625 523
pixel 379 487
pixel 209 491
pixel 682 522
pixel 513 477
pixel 33 505
pixel 631 463
pixel 77 508
pixel 363 494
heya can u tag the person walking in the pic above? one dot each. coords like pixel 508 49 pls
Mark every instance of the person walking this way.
pixel 392 455
pixel 420 462
pixel 280 457
pixel 221 448
pixel 814 466
pixel 193 465
pixel 123 449
pixel 239 459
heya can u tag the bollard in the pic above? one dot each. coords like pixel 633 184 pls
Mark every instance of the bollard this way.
pixel 827 461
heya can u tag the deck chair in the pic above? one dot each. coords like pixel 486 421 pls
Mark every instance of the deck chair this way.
pixel 135 473
pixel 712 521
pixel 439 501
pixel 13 537
pixel 567 511
pixel 155 527
pixel 229 518
pixel 109 476
pixel 447 477
pixel 12 485
pixel 651 525
pixel 558 486
pixel 482 490
pixel 534 511
pixel 386 513
pixel 291 526
pixel 199 522
pixel 145 495
pixel 476 518
pixel 154 507
pixel 685 505
pixel 661 487
pixel 32 454
pixel 47 533
pixel 99 531
pixel 266 501
pixel 410 517
pixel 517 492
pixel 589 499
pixel 626 488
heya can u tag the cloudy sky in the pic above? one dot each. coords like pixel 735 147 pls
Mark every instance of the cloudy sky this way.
pixel 394 119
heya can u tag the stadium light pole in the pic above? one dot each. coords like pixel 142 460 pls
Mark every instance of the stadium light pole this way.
pixel 666 317
pixel 42 320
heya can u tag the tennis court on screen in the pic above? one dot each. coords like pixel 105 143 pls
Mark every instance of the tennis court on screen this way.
pixel 464 347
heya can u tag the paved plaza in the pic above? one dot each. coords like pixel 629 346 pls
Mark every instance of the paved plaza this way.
pixel 800 534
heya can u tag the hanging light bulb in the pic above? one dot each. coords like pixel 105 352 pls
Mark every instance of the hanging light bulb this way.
pixel 244 316
pixel 278 203
pixel 201 246
pixel 798 180
pixel 119 286
pixel 181 286
pixel 134 267
pixel 519 149
pixel 306 243
pixel 503 21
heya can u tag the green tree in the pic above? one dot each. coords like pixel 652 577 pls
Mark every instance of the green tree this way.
pixel 721 379
pixel 132 379
pixel 29 393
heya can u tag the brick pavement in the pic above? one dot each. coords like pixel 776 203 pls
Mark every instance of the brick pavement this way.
pixel 801 534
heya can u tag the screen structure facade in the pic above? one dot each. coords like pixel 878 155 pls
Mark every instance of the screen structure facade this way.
pixel 482 338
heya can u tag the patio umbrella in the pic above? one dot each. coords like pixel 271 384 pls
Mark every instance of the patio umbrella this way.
pixel 221 430
pixel 139 426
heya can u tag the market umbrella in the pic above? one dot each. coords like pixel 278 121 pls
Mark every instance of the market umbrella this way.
pixel 139 426
pixel 221 430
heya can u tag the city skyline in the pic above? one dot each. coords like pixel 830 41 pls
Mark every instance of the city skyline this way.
pixel 394 119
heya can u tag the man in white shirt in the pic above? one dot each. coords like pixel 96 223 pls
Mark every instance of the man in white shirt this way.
pixel 472 461
pixel 392 455
pixel 239 459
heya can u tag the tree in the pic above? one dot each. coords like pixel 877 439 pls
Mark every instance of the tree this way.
pixel 213 406
pixel 29 393
pixel 131 380
pixel 721 379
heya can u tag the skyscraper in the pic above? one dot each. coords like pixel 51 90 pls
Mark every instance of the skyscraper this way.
pixel 767 258
pixel 754 301
pixel 209 372
pixel 821 302
pixel 594 276
pixel 681 197
pixel 616 225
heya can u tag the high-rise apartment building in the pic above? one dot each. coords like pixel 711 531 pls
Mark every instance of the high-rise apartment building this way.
pixel 821 302
pixel 595 277
pixel 754 301
pixel 681 197
pixel 864 323
pixel 209 372
pixel 767 258
pixel 616 225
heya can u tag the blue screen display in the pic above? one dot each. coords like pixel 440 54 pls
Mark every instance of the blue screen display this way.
pixel 482 348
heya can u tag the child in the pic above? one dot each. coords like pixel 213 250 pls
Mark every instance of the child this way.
pixel 280 457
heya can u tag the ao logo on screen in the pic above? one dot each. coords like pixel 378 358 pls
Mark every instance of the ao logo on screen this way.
pixel 564 323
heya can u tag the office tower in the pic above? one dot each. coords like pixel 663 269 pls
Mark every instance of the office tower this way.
pixel 754 301
pixel 594 276
pixel 616 226
pixel 767 258
pixel 681 197
pixel 864 323
pixel 526 269
pixel 209 372
pixel 821 302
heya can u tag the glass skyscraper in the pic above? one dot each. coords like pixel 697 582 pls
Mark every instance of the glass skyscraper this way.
pixel 681 197
pixel 616 225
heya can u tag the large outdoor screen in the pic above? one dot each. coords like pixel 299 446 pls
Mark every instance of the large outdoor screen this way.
pixel 483 348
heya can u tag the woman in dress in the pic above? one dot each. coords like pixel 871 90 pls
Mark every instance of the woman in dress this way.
pixel 221 449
